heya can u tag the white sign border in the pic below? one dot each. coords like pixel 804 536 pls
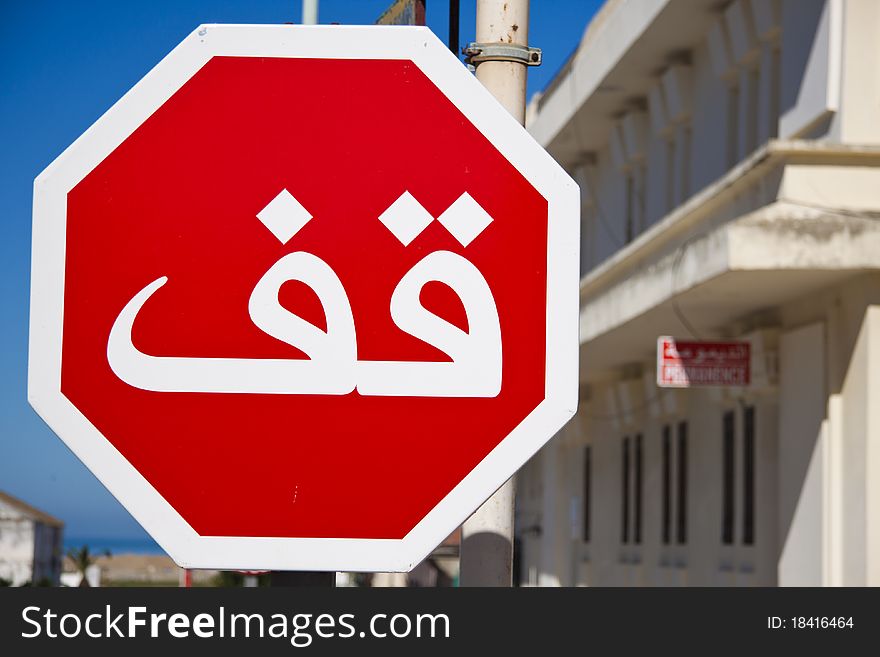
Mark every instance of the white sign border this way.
pixel 144 502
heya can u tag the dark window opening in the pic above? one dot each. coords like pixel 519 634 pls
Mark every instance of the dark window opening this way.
pixel 732 126
pixel 631 204
pixel 752 115
pixel 727 479
pixel 775 89
pixel 686 146
pixel 667 485
pixel 625 496
pixel 588 466
pixel 681 528
pixel 637 511
pixel 670 174
pixel 749 476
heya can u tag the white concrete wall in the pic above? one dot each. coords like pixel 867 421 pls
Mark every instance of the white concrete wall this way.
pixel 814 77
pixel 860 84
pixel 806 69
pixel 16 549
pixel 801 444
pixel 860 452
pixel 817 501
pixel 701 560
pixel 30 550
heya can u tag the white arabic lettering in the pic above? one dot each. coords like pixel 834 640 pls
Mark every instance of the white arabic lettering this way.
pixel 332 367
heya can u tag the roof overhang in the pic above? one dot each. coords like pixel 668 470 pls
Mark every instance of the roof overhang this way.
pixel 718 273
pixel 624 48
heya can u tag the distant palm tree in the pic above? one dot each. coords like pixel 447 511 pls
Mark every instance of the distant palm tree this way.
pixel 83 558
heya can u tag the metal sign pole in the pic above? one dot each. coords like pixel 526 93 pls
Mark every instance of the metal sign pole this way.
pixel 310 12
pixel 487 536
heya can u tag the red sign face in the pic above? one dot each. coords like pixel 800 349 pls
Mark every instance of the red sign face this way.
pixel 688 364
pixel 290 311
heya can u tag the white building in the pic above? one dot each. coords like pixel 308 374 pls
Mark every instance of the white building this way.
pixel 30 543
pixel 728 155
pixel 72 577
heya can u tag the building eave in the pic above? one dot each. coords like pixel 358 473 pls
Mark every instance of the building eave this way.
pixel 685 217
pixel 29 511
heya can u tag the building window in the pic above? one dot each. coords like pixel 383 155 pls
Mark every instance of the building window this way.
pixel 681 510
pixel 631 205
pixel 752 91
pixel 732 125
pixel 625 494
pixel 670 174
pixel 588 477
pixel 727 475
pixel 729 519
pixel 749 476
pixel 641 197
pixel 666 519
pixel 588 238
pixel 637 475
pixel 686 144
pixel 631 490
pixel 775 90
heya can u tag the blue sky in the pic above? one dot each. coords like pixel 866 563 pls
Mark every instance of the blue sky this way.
pixel 62 65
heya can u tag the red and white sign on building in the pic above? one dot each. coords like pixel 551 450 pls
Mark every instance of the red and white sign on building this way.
pixel 290 328
pixel 689 364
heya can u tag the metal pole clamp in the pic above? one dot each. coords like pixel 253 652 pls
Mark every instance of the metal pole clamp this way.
pixel 477 53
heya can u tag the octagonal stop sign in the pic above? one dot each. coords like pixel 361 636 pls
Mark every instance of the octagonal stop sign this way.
pixel 304 297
